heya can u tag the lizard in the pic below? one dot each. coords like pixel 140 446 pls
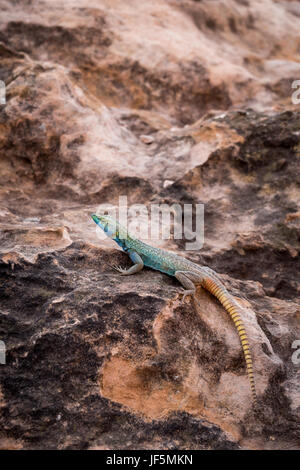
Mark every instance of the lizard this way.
pixel 189 274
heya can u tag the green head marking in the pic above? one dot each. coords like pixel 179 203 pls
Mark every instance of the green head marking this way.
pixel 107 223
pixel 112 228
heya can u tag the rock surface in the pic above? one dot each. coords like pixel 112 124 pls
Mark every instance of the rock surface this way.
pixel 165 102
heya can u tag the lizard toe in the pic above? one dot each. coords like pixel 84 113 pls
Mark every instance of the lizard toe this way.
pixel 186 293
pixel 117 268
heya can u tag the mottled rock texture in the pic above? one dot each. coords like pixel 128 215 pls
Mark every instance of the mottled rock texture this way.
pixel 163 101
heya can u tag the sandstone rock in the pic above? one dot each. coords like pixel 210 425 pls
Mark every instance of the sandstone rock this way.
pixel 163 102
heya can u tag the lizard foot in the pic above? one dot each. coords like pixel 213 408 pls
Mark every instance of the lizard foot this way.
pixel 187 292
pixel 119 269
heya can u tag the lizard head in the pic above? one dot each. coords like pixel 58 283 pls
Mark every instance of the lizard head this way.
pixel 109 225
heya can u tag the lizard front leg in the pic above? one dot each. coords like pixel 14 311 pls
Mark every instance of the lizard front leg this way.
pixel 138 265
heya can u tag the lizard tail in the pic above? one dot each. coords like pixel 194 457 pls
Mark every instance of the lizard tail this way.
pixel 219 291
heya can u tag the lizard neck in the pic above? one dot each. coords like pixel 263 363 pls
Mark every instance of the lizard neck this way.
pixel 121 243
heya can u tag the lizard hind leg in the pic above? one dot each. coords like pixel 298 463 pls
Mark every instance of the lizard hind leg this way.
pixel 190 288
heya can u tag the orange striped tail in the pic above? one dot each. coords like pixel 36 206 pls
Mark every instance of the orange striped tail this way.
pixel 219 291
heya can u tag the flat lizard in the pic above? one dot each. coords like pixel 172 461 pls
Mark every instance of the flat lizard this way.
pixel 186 272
